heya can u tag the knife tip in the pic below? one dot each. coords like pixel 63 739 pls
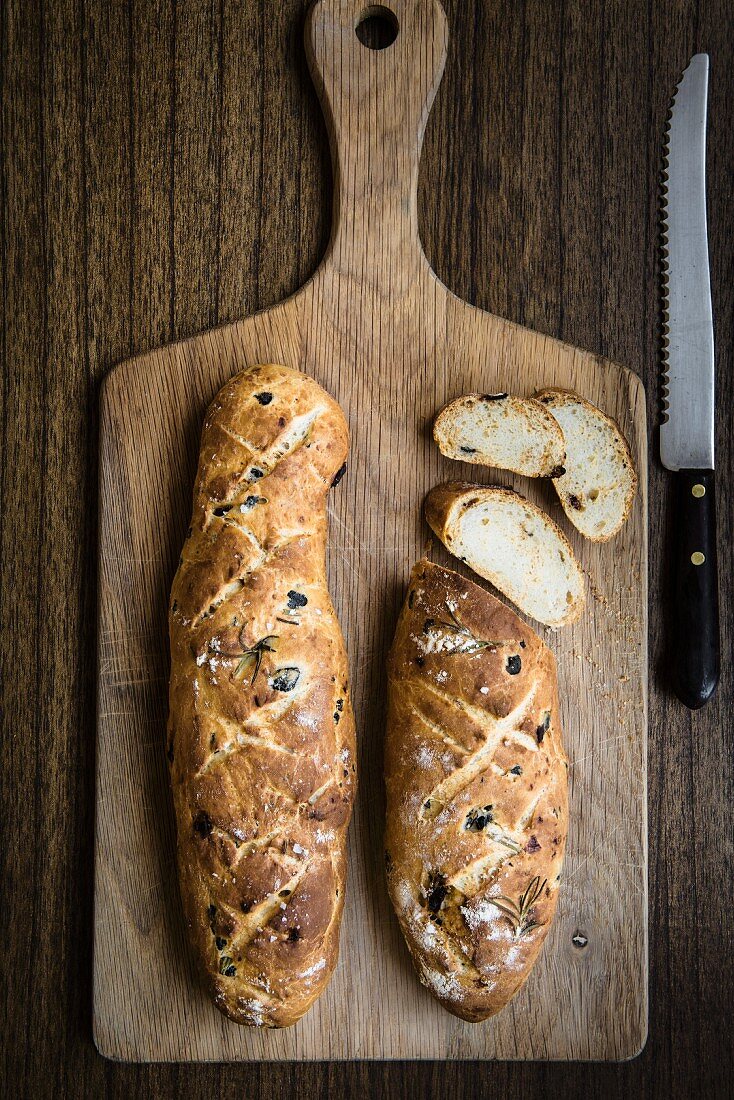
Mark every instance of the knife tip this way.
pixel 698 61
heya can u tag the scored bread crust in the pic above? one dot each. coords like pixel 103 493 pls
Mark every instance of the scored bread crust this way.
pixel 477 803
pixel 446 508
pixel 578 477
pixel 260 731
pixel 510 433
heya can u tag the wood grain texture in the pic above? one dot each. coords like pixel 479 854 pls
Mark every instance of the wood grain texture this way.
pixel 537 200
pixel 377 328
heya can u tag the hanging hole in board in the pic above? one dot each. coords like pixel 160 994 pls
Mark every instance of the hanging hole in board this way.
pixel 377 27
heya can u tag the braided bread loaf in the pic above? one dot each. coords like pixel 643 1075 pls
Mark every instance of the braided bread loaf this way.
pixel 261 733
pixel 476 791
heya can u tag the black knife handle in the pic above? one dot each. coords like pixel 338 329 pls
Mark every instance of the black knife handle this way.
pixel 696 611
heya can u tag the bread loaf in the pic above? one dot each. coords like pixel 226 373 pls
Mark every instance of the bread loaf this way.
pixel 260 731
pixel 477 809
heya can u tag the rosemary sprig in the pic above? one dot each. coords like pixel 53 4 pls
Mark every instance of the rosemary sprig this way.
pixel 254 656
pixel 518 912
pixel 473 644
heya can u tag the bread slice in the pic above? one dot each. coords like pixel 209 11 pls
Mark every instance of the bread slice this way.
pixel 599 484
pixel 510 433
pixel 513 544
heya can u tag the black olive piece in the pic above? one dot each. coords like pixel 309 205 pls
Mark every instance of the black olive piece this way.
pixel 340 704
pixel 220 942
pixel 543 727
pixel 222 511
pixel 517 770
pixel 437 891
pixel 336 717
pixel 427 805
pixel 514 664
pixel 203 824
pixel 285 679
pixel 558 471
pixel 255 473
pixel 420 661
pixel 478 819
pixel 296 599
pixel 574 501
pixel 493 396
pixel 468 450
pixel 294 934
pixel 522 645
pixel 246 905
pixel 284 894
pixel 264 398
pixel 339 475
pixel 251 501
pixel 428 624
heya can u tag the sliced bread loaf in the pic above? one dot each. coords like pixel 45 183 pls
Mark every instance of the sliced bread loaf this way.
pixel 510 433
pixel 599 484
pixel 513 544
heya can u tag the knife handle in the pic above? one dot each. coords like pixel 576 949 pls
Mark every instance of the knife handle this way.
pixel 696 654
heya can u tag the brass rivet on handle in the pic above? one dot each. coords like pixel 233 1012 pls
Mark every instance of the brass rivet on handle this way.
pixel 698 491
pixel 697 557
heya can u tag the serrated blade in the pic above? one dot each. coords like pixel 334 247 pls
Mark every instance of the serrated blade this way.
pixel 687 431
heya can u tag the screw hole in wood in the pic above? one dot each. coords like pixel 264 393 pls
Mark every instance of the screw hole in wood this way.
pixel 377 27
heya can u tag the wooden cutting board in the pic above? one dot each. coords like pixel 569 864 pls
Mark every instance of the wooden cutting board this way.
pixel 378 329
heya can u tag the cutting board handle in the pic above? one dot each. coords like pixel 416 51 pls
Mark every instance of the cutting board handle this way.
pixel 376 103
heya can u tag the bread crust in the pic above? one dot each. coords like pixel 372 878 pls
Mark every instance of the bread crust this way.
pixel 476 779
pixel 260 730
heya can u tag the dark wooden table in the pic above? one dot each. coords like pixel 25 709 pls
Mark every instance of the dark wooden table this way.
pixel 164 169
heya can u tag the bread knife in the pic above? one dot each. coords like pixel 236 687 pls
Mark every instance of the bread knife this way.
pixel 687 427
